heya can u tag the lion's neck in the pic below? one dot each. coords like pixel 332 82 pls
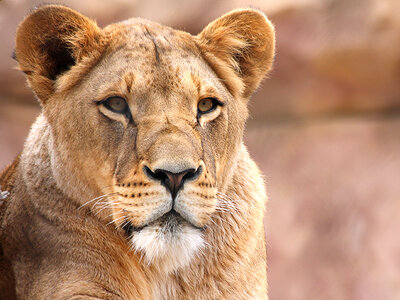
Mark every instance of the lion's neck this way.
pixel 36 169
pixel 44 170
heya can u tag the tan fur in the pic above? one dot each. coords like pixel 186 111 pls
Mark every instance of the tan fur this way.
pixel 83 173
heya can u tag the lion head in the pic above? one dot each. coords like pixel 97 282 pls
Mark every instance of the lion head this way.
pixel 145 120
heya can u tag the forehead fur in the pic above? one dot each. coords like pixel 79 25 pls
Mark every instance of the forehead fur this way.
pixel 142 52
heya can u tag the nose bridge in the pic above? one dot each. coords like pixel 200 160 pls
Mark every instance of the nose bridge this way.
pixel 173 152
pixel 174 147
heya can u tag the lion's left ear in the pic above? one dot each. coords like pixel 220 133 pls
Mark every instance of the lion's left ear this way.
pixel 240 46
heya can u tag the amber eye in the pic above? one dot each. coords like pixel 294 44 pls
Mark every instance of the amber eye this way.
pixel 116 104
pixel 207 105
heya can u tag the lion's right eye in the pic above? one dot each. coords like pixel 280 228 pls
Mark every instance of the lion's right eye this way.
pixel 117 105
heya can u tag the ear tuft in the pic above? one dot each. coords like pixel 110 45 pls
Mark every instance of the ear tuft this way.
pixel 240 46
pixel 50 41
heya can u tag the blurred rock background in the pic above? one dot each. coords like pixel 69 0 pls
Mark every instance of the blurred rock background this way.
pixel 325 130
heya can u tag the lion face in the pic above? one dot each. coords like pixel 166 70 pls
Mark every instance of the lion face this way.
pixel 160 120
pixel 167 159
pixel 149 120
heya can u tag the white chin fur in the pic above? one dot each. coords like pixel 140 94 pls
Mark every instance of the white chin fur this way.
pixel 168 250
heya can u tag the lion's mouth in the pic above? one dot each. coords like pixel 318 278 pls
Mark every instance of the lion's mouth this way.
pixel 171 222
pixel 170 241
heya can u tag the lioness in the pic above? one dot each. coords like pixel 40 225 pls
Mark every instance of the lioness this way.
pixel 134 182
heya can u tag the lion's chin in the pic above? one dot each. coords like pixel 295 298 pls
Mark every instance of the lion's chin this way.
pixel 169 243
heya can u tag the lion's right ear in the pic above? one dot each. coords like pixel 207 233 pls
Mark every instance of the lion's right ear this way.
pixel 50 41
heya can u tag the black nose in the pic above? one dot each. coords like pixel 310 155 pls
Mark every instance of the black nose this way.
pixel 173 181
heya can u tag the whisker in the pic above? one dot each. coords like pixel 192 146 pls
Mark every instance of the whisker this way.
pixel 103 207
pixel 96 199
pixel 229 206
pixel 115 220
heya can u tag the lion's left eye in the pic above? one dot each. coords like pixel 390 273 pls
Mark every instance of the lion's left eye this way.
pixel 207 105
